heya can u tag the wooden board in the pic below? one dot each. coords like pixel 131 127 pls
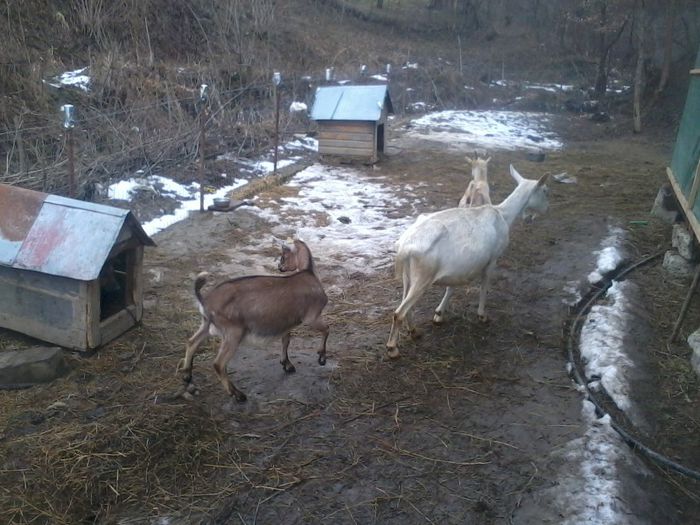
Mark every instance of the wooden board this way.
pixel 687 210
pixel 348 152
pixel 352 144
pixel 346 135
pixel 346 125
pixel 52 315
pixel 695 71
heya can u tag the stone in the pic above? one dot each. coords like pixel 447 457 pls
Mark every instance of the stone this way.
pixel 39 364
pixel 684 241
pixel 677 265
pixel 694 342
pixel 666 205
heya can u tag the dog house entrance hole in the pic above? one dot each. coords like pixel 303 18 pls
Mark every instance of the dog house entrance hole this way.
pixel 114 285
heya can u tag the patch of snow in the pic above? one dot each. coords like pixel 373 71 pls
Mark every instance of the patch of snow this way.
pixel 592 492
pixel 379 77
pixel 307 143
pixel 410 65
pixel 552 88
pixel 188 195
pixel 601 345
pixel 609 256
pixel 364 239
pixel 75 78
pixel 489 129
pixel 297 106
pixel 188 205
pixel 588 489
pixel 573 292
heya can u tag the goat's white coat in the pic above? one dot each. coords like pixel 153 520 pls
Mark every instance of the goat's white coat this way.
pixel 455 246
pixel 477 193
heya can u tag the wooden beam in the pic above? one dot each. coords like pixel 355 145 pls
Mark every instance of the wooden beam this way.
pixel 687 209
pixel 695 71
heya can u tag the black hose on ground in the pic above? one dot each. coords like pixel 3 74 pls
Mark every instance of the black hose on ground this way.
pixel 574 330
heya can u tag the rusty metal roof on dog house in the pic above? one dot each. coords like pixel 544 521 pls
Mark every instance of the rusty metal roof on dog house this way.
pixel 59 236
pixel 351 102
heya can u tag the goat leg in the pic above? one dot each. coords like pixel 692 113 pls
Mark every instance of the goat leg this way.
pixel 286 363
pixel 485 281
pixel 228 347
pixel 320 325
pixel 185 364
pixel 442 307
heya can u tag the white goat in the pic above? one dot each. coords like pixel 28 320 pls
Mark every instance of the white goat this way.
pixel 477 193
pixel 454 246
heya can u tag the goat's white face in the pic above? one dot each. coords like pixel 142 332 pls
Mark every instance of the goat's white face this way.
pixel 538 203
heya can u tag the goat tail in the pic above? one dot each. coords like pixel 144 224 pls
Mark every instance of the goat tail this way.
pixel 199 283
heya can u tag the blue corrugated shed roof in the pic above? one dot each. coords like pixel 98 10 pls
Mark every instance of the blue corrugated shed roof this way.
pixel 351 102
pixel 59 236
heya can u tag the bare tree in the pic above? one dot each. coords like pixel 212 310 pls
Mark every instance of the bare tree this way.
pixel 669 19
pixel 639 69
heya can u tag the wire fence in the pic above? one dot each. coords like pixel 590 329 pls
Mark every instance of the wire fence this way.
pixel 102 145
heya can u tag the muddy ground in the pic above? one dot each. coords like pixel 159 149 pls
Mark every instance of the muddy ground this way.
pixel 463 428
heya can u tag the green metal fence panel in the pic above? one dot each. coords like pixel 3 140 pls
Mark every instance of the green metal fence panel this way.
pixel 686 152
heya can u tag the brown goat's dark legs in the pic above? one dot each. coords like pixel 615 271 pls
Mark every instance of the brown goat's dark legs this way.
pixel 228 348
pixel 286 363
pixel 185 364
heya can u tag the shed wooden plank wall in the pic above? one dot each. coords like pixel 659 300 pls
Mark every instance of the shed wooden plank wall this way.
pixel 46 307
pixel 347 138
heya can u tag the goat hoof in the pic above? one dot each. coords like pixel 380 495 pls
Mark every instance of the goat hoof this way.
pixel 415 333
pixel 190 388
pixel 289 368
pixel 483 318
pixel 240 397
pixel 187 396
pixel 392 352
pixel 437 320
pixel 187 378
pixel 321 360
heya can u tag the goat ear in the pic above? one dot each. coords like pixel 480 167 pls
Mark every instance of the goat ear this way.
pixel 514 173
pixel 487 160
pixel 543 180
pixel 469 159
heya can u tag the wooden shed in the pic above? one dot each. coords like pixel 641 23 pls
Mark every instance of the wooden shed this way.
pixel 71 272
pixel 351 120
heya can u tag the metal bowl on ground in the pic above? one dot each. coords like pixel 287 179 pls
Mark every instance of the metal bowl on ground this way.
pixel 536 156
pixel 221 202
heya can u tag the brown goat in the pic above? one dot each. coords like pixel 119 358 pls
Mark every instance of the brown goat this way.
pixel 259 305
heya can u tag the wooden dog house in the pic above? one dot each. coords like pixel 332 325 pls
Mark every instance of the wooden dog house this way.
pixel 71 272
pixel 351 120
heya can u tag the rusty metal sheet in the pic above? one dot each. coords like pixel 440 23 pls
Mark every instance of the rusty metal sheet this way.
pixel 18 210
pixel 69 241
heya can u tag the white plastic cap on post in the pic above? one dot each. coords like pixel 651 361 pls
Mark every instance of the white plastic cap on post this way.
pixel 68 116
pixel 276 78
pixel 203 92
